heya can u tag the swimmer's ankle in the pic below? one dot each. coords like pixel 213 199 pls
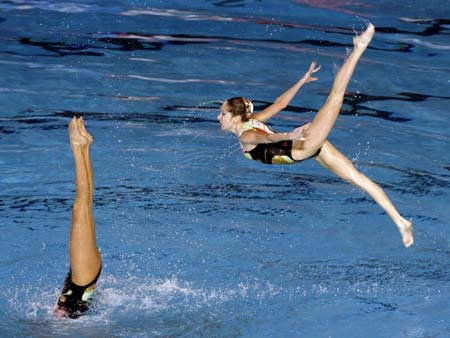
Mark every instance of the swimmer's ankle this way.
pixel 363 40
pixel 406 231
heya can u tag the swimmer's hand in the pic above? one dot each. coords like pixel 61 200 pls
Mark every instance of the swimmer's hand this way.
pixel 299 133
pixel 312 69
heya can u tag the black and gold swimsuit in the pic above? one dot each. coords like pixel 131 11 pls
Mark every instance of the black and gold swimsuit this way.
pixel 74 299
pixel 269 153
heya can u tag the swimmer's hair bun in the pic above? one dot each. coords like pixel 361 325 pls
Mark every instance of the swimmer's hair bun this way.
pixel 248 106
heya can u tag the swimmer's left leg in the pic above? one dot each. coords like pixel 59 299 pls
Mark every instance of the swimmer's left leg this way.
pixel 323 122
pixel 85 260
pixel 333 160
pixel 87 159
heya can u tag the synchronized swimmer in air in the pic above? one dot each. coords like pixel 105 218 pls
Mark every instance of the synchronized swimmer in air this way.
pixel 260 143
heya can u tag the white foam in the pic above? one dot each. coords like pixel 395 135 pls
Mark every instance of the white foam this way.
pixel 116 299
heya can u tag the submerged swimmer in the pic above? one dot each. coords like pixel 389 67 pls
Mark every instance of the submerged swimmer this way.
pixel 260 143
pixel 85 260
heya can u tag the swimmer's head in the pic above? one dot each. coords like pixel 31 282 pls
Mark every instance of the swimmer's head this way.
pixel 239 106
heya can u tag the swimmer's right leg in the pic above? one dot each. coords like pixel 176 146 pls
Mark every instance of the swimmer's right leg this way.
pixel 333 160
pixel 85 258
pixel 320 127
pixel 87 158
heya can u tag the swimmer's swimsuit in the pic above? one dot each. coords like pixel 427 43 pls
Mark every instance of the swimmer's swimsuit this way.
pixel 272 153
pixel 74 299
pixel 268 153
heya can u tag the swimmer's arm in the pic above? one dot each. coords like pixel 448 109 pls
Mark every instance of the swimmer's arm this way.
pixel 253 137
pixel 283 100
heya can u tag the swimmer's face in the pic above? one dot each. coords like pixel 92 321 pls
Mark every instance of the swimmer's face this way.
pixel 226 119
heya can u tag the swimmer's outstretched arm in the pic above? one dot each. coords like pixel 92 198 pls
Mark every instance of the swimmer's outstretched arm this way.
pixel 283 100
pixel 253 137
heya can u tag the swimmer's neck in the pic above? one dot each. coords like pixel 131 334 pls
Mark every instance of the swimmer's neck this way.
pixel 237 130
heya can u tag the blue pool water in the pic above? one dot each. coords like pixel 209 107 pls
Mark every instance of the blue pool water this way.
pixel 197 241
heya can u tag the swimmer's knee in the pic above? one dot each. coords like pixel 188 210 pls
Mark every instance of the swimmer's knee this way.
pixel 358 179
pixel 81 207
pixel 336 98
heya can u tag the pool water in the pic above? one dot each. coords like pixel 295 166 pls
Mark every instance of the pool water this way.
pixel 196 240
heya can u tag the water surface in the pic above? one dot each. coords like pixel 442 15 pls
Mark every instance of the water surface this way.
pixel 197 241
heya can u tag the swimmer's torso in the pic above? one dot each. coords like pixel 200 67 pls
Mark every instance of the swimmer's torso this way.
pixel 269 153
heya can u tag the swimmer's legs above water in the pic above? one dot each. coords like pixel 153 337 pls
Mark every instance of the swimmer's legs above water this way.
pixel 317 133
pixel 85 260
pixel 329 157
pixel 84 255
pixel 333 160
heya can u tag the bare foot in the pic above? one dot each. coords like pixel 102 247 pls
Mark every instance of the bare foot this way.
pixel 363 40
pixel 406 231
pixel 76 139
pixel 83 130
